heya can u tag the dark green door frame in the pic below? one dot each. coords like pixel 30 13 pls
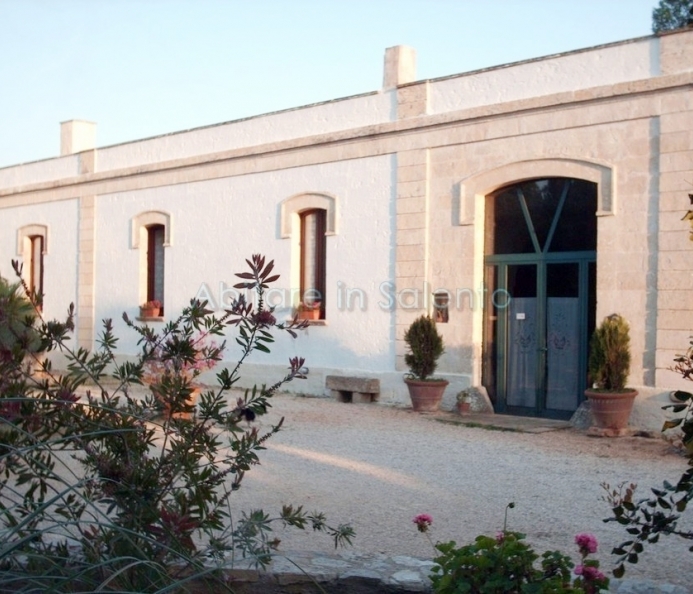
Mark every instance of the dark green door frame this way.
pixel 583 260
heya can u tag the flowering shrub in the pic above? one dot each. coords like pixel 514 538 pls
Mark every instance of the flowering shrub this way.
pixel 505 564
pixel 153 304
pixel 204 354
pixel 589 576
pixel 96 496
pixel 423 522
pixel 659 514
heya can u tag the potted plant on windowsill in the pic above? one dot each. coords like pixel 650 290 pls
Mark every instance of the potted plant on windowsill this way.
pixel 309 310
pixel 609 365
pixel 150 309
pixel 425 346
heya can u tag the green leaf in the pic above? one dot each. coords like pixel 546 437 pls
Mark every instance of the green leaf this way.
pixel 682 396
pixel 671 424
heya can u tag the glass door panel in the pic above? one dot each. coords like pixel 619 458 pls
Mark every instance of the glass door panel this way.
pixel 563 336
pixel 522 352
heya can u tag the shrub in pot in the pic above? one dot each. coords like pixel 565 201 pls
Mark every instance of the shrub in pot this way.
pixel 21 345
pixel 609 365
pixel 150 309
pixel 18 334
pixel 464 402
pixel 425 347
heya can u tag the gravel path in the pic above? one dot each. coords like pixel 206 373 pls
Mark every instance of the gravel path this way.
pixel 377 466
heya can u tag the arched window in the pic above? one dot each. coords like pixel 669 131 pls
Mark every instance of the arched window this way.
pixel 313 262
pixel 155 263
pixel 151 234
pixel 32 244
pixel 35 262
pixel 307 219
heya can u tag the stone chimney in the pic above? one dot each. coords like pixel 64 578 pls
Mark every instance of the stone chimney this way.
pixel 77 136
pixel 400 66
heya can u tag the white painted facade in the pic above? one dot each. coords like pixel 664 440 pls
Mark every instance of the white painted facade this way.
pixel 60 257
pixel 407 171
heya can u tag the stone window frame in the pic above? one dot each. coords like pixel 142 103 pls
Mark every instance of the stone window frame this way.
pixel 139 240
pixel 291 208
pixel 290 220
pixel 26 235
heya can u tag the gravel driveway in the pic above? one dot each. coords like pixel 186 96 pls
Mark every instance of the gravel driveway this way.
pixel 377 466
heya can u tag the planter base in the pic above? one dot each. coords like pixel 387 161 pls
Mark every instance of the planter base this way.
pixel 309 314
pixel 611 410
pixel 426 395
pixel 464 408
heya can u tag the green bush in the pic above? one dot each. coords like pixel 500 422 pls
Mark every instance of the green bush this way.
pixel 99 492
pixel 18 336
pixel 609 360
pixel 506 564
pixel 425 347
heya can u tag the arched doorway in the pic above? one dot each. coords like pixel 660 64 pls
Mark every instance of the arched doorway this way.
pixel 540 275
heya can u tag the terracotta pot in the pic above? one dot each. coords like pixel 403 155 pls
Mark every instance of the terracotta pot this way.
pixel 611 410
pixel 464 407
pixel 309 314
pixel 150 312
pixel 426 395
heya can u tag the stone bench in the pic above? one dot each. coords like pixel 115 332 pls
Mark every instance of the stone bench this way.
pixel 346 388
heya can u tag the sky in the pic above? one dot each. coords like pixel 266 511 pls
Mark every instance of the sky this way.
pixel 141 68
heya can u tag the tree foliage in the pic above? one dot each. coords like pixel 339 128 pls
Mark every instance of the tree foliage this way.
pixel 672 14
pixel 609 360
pixel 98 490
pixel 425 346
pixel 659 514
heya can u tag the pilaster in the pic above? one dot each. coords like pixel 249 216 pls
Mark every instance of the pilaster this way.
pixel 85 273
pixel 412 244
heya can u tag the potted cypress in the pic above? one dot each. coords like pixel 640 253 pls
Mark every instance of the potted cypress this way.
pixel 425 347
pixel 17 331
pixel 609 364
pixel 21 346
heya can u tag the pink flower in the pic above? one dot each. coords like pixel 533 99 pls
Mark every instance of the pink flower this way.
pixel 423 521
pixel 589 573
pixel 264 318
pixel 587 543
pixel 500 537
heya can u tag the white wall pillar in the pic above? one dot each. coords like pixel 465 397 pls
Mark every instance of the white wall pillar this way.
pixel 400 66
pixel 77 136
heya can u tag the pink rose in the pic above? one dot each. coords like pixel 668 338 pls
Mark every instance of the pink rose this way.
pixel 587 543
pixel 423 521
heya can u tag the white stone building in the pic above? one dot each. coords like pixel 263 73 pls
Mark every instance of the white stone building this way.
pixel 560 182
